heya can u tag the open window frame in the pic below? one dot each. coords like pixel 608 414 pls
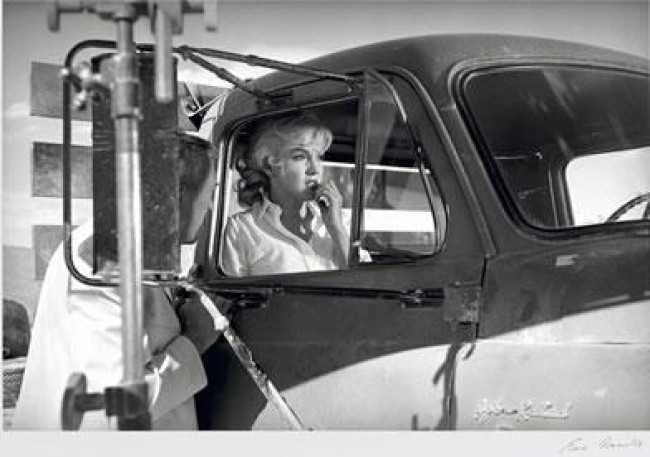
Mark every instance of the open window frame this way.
pixel 374 89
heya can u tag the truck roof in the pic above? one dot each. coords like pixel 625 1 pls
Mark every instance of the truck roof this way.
pixel 431 57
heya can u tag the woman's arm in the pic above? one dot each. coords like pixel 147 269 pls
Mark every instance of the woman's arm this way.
pixel 330 203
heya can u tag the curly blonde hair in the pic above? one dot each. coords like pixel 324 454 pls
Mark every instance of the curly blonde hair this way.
pixel 269 136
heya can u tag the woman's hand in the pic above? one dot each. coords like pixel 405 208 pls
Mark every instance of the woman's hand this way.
pixel 330 201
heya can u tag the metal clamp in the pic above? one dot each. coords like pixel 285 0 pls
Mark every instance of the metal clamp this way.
pixel 125 402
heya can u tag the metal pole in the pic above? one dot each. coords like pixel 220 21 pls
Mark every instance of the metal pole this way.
pixel 164 88
pixel 126 114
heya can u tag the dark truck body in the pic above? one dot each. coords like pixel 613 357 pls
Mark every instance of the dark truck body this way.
pixel 519 316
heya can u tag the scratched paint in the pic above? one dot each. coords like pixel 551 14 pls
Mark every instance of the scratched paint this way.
pixel 566 260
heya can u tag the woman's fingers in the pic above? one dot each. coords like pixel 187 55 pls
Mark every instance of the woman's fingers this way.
pixel 328 197
pixel 334 190
pixel 323 200
pixel 321 197
pixel 327 194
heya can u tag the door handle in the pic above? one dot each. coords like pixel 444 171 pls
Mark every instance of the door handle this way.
pixel 422 298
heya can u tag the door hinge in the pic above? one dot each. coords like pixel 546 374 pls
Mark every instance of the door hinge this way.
pixel 461 304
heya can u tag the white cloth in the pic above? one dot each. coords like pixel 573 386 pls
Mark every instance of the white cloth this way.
pixel 187 256
pixel 256 243
pixel 77 328
pixel 212 115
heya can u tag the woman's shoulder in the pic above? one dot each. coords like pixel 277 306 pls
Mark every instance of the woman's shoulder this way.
pixel 242 215
pixel 241 219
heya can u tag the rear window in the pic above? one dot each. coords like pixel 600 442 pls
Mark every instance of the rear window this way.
pixel 568 146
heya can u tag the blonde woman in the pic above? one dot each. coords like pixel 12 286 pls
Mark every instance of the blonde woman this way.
pixel 284 229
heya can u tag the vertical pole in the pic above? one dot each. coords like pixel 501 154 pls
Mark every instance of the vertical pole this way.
pixel 164 89
pixel 126 114
pixel 365 106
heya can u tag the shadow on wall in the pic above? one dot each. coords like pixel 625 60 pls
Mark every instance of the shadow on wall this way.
pixel 15 342
pixel 19 281
pixel 15 329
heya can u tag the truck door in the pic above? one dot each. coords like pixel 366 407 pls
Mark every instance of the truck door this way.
pixel 367 346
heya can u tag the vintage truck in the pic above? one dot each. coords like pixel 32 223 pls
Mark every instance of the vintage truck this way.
pixel 501 187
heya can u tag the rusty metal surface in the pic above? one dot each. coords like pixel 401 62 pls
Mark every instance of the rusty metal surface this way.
pixel 462 303
pixel 159 196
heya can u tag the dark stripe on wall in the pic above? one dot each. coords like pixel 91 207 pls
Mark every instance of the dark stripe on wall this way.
pixel 46 93
pixel 47 170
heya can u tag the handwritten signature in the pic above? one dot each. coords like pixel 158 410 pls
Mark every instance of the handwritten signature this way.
pixel 608 443
pixel 523 412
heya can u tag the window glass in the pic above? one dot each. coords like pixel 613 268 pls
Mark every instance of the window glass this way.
pixel 598 184
pixel 397 220
pixel 569 144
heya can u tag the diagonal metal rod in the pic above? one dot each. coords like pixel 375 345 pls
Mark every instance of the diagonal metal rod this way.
pixel 254 60
pixel 243 353
pixel 223 74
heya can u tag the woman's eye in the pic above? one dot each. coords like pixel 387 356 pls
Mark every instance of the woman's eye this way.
pixel 298 157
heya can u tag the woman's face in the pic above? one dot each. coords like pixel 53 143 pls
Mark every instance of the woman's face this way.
pixel 297 169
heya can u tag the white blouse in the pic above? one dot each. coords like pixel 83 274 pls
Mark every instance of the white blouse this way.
pixel 256 243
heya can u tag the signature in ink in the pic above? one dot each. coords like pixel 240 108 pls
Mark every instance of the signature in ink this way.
pixel 603 445
pixel 524 411
pixel 610 443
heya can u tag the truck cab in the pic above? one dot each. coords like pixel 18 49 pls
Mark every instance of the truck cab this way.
pixel 500 186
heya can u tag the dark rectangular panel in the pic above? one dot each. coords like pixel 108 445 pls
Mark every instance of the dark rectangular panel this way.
pixel 47 170
pixel 46 93
pixel 159 176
